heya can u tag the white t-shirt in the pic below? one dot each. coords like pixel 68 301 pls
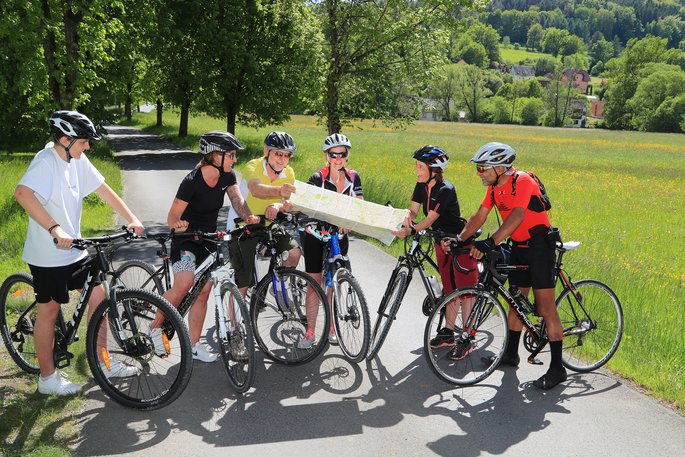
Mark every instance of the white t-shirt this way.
pixel 60 187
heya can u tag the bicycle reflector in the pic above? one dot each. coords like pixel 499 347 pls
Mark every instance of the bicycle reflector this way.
pixel 105 358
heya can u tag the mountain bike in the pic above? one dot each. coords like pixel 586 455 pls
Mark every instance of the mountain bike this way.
pixel 280 304
pixel 417 250
pixel 590 312
pixel 234 332
pixel 349 309
pixel 118 333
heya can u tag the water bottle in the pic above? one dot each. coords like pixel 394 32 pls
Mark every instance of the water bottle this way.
pixel 435 285
pixel 521 299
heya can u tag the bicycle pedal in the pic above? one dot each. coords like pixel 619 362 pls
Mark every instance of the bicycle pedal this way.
pixel 534 361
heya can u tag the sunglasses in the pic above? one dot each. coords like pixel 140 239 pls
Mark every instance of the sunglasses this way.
pixel 230 155
pixel 482 168
pixel 337 155
pixel 285 154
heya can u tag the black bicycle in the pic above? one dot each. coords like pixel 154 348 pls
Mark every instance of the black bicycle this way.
pixel 118 334
pixel 590 312
pixel 234 332
pixel 417 249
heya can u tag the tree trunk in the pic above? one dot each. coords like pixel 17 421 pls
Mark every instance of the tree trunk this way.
pixel 129 101
pixel 333 78
pixel 231 115
pixel 160 106
pixel 183 124
pixel 71 41
pixel 49 51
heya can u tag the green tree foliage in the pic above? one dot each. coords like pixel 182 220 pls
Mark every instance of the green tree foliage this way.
pixel 624 77
pixel 375 53
pixel 534 38
pixel 471 52
pixel 545 65
pixel 444 90
pixel 531 109
pixel 558 101
pixel 656 104
pixel 498 110
pixel 554 40
pixel 471 90
pixel 488 37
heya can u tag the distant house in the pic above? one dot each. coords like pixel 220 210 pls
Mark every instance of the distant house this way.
pixel 579 78
pixel 522 71
pixel 596 107
pixel 433 110
pixel 579 112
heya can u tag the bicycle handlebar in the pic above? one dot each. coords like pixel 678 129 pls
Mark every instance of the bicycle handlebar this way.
pixel 84 243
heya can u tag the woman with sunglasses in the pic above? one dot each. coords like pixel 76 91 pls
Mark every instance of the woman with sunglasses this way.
pixel 337 178
pixel 196 206
pixel 438 199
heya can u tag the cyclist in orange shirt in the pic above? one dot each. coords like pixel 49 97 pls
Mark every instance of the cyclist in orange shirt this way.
pixel 526 223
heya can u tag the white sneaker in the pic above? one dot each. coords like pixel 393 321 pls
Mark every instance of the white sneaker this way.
pixel 118 370
pixel 201 353
pixel 155 335
pixel 332 338
pixel 307 342
pixel 56 384
pixel 237 348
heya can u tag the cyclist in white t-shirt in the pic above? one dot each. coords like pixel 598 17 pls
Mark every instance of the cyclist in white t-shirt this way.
pixel 52 192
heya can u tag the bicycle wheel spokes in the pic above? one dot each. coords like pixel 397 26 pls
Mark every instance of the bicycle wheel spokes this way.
pixel 486 342
pixel 139 367
pixel 387 312
pixel 18 318
pixel 136 274
pixel 282 320
pixel 351 318
pixel 592 320
pixel 236 340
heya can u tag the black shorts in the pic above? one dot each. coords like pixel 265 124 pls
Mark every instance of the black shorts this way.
pixel 540 272
pixel 313 252
pixel 243 255
pixel 181 247
pixel 54 283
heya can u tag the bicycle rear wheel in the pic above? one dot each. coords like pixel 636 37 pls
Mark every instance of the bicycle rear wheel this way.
pixel 137 274
pixel 592 319
pixel 134 368
pixel 488 338
pixel 282 316
pixel 351 317
pixel 237 342
pixel 18 318
pixel 387 311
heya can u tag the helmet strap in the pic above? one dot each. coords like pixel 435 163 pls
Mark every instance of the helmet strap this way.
pixel 278 172
pixel 67 149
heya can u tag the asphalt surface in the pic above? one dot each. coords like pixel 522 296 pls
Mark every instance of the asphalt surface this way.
pixel 393 406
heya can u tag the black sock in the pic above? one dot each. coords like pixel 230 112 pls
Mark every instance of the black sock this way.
pixel 513 343
pixel 555 349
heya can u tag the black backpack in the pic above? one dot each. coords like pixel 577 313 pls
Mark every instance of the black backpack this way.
pixel 534 204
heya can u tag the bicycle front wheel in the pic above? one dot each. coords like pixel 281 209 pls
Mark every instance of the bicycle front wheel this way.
pixel 387 311
pixel 137 366
pixel 482 348
pixel 236 339
pixel 592 319
pixel 351 317
pixel 289 316
pixel 137 274
pixel 18 319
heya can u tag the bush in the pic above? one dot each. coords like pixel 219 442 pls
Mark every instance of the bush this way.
pixel 531 108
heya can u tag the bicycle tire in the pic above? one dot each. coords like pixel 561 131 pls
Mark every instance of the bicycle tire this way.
pixel 240 368
pixel 158 381
pixel 488 343
pixel 279 332
pixel 17 299
pixel 394 294
pixel 351 318
pixel 138 274
pixel 592 336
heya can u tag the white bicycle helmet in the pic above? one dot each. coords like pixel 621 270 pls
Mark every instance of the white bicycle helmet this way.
pixel 335 140
pixel 73 125
pixel 495 154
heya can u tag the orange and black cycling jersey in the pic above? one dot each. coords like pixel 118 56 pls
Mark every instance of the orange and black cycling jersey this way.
pixel 534 222
pixel 442 199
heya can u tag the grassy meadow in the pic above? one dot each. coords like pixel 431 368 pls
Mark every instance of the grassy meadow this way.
pixel 514 56
pixel 619 193
pixel 32 424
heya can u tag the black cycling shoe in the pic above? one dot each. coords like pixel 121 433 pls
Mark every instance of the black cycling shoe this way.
pixel 551 379
pixel 508 360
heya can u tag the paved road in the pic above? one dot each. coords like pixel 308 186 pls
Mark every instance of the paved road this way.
pixel 393 406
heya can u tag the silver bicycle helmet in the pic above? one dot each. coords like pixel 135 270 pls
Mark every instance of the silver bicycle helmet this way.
pixel 335 140
pixel 495 154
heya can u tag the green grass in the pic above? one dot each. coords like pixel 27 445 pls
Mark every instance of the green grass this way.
pixel 619 193
pixel 515 56
pixel 32 424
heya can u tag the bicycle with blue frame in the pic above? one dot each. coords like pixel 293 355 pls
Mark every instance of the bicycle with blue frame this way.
pixel 349 310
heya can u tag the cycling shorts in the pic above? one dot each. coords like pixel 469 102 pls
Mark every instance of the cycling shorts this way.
pixel 54 283
pixel 187 254
pixel 540 260
pixel 243 255
pixel 313 252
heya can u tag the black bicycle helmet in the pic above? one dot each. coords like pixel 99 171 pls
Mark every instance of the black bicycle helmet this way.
pixel 73 125
pixel 335 140
pixel 433 156
pixel 280 141
pixel 217 140
pixel 495 154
